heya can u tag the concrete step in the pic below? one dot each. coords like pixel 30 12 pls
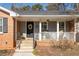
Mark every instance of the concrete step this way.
pixel 27 41
pixel 29 47
pixel 26 45
pixel 23 50
pixel 24 54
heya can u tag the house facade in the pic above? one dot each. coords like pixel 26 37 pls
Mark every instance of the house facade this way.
pixel 36 26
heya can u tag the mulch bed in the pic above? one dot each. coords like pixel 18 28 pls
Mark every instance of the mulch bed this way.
pixel 53 51
pixel 6 52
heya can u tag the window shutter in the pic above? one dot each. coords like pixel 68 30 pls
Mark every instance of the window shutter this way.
pixel 5 25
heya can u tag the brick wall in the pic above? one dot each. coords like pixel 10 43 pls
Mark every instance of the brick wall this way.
pixel 7 37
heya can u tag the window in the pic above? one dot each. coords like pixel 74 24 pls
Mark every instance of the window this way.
pixel 61 26
pixel 1 25
pixel 77 25
pixel 44 26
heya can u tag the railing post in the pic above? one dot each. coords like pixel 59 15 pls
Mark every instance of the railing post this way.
pixel 57 30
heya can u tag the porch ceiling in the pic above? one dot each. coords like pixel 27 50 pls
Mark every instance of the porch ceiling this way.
pixel 45 17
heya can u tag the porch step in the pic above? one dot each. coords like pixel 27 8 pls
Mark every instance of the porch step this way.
pixel 26 45
pixel 23 47
pixel 26 41
pixel 29 39
pixel 23 51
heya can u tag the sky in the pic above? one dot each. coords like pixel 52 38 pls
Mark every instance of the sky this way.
pixel 8 5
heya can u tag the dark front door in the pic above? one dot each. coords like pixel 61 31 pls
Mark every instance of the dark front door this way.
pixel 30 29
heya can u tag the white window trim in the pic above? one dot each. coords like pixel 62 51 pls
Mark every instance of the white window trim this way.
pixel 64 26
pixel 46 25
pixel 2 26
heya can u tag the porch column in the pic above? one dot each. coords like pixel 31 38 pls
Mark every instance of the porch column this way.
pixel 57 30
pixel 25 30
pixel 40 31
pixel 75 29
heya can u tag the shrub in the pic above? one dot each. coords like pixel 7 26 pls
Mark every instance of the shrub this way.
pixel 63 44
pixel 53 43
pixel 34 52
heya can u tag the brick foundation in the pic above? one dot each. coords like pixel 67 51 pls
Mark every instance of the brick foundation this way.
pixel 48 43
pixel 45 43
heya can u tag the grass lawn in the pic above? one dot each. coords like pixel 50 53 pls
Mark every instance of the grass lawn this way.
pixel 6 52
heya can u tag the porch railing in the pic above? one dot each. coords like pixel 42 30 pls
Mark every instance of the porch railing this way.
pixel 49 35
pixel 36 36
pixel 53 35
pixel 66 35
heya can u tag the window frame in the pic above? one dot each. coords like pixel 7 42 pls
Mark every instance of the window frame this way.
pixel 64 26
pixel 43 23
pixel 2 26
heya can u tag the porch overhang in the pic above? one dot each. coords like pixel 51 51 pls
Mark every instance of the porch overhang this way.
pixel 45 17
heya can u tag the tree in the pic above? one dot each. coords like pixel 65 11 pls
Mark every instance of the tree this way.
pixel 77 6
pixel 13 7
pixel 52 6
pixel 37 7
pixel 61 7
pixel 26 8
pixel 23 8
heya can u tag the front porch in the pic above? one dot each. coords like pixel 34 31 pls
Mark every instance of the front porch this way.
pixel 47 28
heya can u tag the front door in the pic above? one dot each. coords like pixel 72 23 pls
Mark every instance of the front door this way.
pixel 30 29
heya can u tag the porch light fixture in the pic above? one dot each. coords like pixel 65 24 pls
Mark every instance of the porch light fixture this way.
pixel 47 20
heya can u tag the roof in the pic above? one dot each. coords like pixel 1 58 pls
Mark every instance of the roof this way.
pixel 20 12
pixel 12 13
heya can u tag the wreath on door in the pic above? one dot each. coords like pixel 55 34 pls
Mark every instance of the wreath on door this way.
pixel 30 26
